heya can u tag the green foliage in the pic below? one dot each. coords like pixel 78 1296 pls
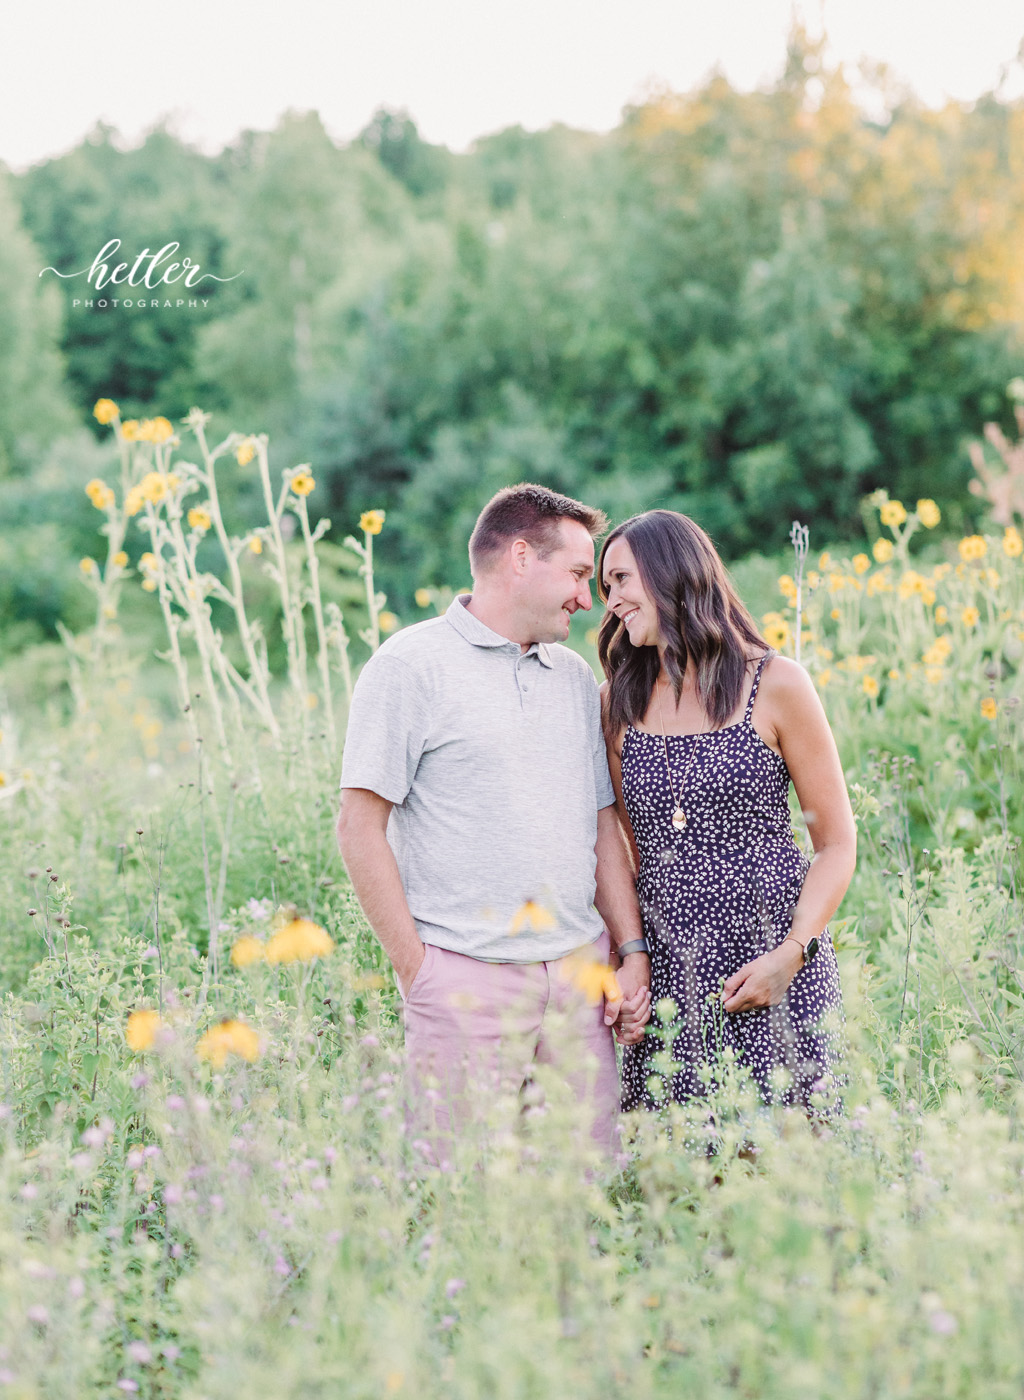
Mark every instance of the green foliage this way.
pixel 747 306
pixel 158 193
pixel 33 406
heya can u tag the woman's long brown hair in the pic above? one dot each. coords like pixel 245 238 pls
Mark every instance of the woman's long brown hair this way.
pixel 700 616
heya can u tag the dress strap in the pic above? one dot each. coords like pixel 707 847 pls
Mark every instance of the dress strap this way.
pixel 757 681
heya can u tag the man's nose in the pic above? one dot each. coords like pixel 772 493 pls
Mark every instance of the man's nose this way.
pixel 583 596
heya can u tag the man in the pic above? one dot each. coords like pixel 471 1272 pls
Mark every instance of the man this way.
pixel 478 827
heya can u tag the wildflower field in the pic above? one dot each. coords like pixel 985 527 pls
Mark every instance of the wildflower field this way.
pixel 205 1185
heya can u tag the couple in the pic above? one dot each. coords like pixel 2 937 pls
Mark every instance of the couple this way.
pixel 500 818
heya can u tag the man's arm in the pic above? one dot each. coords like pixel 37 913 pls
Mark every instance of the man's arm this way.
pixel 616 902
pixel 373 870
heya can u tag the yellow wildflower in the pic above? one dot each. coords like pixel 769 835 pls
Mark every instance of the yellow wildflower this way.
pixel 894 675
pixel 836 583
pixel 130 430
pixel 970 617
pixel 869 686
pixel 934 674
pixel 927 596
pixel 423 598
pixel 87 566
pixel 911 583
pixel 1013 545
pixel 134 501
pixel 387 621
pixel 160 430
pixel 972 547
pixel 813 579
pixel 368 982
pixel 228 1038
pixel 105 411
pixel 246 950
pixel 928 513
pixel 824 560
pixel 372 521
pixel 824 677
pixel 147 560
pixel 892 513
pixel 199 518
pixel 100 494
pixel 299 941
pixel 861 563
pixel 142 1029
pixel 120 559
pixel 990 578
pixel 532 916
pixel 989 708
pixel 834 614
pixel 245 452
pixel 776 633
pixel 880 582
pixel 883 550
pixel 594 979
pixel 153 487
pixel 942 615
pixel 940 571
pixel 937 653
pixel 302 483
pixel 256 545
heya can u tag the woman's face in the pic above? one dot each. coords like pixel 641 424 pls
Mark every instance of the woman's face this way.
pixel 627 598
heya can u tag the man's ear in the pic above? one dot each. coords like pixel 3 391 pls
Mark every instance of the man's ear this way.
pixel 520 555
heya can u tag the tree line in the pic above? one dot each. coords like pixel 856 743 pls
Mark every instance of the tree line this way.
pixel 751 307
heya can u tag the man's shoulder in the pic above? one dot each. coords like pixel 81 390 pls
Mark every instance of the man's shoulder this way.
pixel 419 640
pixel 569 662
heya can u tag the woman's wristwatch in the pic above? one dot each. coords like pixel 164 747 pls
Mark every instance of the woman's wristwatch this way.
pixel 635 945
pixel 808 949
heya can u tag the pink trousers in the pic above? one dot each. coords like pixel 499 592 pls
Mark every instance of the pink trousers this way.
pixel 476 1028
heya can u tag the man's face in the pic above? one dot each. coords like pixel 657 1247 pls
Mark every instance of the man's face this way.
pixel 552 589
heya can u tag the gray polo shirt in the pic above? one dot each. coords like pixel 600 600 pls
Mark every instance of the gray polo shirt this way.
pixel 496 766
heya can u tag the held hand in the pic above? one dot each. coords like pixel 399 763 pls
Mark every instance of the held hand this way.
pixel 764 981
pixel 631 1014
pixel 634 1013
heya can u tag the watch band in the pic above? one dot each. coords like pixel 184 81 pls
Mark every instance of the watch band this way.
pixel 635 945
pixel 808 950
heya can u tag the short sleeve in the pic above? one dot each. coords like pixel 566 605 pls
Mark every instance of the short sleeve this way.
pixel 387 729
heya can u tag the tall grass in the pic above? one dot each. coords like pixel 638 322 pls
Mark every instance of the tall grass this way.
pixel 259 1223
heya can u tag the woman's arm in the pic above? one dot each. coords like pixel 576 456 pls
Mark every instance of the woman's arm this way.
pixel 790 717
pixel 613 743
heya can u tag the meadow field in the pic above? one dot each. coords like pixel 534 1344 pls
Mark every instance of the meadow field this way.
pixel 206 1190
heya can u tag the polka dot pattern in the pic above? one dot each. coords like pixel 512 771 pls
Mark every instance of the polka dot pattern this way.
pixel 714 896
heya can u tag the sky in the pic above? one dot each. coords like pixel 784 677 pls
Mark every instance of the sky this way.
pixel 461 68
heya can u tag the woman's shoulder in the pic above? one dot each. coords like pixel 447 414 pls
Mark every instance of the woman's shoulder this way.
pixel 786 686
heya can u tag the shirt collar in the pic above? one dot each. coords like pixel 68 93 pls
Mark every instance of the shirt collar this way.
pixel 480 635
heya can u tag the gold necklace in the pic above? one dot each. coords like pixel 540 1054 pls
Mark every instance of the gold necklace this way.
pixel 678 815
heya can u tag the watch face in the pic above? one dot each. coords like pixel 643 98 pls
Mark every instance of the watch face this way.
pixel 810 950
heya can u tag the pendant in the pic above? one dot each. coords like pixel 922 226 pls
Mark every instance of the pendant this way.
pixel 679 819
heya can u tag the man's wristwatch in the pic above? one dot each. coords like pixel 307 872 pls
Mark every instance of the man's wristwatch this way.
pixel 636 945
pixel 809 949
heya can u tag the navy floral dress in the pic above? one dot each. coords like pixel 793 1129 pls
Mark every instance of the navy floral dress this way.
pixel 714 896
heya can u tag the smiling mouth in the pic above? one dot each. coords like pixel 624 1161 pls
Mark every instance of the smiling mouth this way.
pixel 624 619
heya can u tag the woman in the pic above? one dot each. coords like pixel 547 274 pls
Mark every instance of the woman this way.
pixel 706 727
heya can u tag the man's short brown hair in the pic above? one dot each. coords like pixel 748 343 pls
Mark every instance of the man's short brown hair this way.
pixel 531 513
